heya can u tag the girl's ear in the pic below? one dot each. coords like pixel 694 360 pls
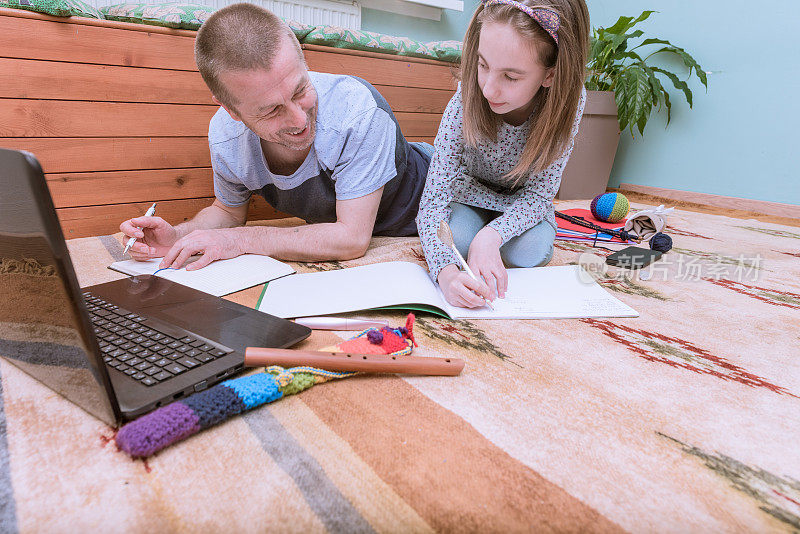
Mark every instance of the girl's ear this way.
pixel 548 79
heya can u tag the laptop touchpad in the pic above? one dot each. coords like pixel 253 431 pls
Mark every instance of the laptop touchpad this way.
pixel 202 317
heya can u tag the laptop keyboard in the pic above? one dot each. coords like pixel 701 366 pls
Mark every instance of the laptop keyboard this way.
pixel 143 353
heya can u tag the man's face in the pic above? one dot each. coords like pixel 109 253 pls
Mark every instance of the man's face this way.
pixel 278 105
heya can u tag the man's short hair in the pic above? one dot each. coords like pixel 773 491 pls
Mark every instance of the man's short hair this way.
pixel 239 37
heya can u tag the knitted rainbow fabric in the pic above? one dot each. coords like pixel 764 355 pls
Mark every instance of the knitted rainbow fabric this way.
pixel 610 207
pixel 179 420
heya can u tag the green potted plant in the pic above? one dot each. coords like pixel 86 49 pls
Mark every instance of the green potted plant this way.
pixel 623 89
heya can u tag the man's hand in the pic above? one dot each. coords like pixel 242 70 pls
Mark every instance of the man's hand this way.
pixel 485 261
pixel 157 238
pixel 153 240
pixel 218 244
pixel 460 289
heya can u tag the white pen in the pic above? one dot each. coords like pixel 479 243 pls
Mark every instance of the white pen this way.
pixel 470 273
pixel 149 213
pixel 340 323
pixel 445 235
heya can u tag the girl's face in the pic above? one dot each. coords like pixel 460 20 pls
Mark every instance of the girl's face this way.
pixel 509 72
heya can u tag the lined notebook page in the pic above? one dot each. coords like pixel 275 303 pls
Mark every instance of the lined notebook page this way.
pixel 559 292
pixel 352 289
pixel 539 293
pixel 218 278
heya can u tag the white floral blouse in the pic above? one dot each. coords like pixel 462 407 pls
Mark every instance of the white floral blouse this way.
pixel 474 176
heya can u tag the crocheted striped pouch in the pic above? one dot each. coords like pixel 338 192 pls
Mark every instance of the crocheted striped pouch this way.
pixel 174 422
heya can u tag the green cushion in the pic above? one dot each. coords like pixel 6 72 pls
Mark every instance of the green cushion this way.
pixel 337 37
pixel 58 8
pixel 300 30
pixel 176 15
pixel 446 50
pixel 369 41
pixel 170 14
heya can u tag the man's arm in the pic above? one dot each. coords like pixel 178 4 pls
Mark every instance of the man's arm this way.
pixel 217 215
pixel 345 239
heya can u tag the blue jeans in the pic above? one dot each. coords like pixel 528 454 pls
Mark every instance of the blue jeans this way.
pixel 425 148
pixel 533 248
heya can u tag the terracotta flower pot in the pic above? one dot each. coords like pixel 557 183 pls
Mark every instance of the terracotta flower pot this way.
pixel 589 166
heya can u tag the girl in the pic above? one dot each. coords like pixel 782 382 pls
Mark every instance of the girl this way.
pixel 503 142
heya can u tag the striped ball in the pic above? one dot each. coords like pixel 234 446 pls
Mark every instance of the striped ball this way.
pixel 610 207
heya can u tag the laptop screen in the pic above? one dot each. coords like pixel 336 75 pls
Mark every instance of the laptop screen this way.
pixel 43 328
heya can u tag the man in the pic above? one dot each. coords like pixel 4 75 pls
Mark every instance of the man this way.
pixel 322 147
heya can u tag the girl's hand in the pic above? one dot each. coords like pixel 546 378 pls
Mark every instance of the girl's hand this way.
pixel 484 260
pixel 460 289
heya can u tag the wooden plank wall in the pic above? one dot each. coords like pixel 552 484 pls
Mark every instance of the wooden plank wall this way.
pixel 118 114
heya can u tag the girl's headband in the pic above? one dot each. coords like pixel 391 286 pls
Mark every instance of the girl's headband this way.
pixel 547 19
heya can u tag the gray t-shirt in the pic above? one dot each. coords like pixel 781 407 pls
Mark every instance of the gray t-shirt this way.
pixel 358 149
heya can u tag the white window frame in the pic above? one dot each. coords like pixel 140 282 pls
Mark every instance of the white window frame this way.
pixel 426 9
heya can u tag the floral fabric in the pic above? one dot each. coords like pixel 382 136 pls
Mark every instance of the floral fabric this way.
pixel 171 15
pixel 176 15
pixel 300 30
pixel 388 44
pixel 57 8
pixel 449 51
pixel 474 176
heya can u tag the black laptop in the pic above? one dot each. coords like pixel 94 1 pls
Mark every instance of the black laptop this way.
pixel 118 349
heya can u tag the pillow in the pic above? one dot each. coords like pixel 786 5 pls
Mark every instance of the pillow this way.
pixel 58 8
pixel 369 41
pixel 449 51
pixel 300 30
pixel 176 15
pixel 170 14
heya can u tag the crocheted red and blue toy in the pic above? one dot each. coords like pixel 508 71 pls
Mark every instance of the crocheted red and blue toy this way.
pixel 179 420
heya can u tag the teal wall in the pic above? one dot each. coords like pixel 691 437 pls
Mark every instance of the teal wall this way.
pixel 739 139
pixel 451 27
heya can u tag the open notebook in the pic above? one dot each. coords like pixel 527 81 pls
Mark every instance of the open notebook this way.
pixel 539 293
pixel 218 278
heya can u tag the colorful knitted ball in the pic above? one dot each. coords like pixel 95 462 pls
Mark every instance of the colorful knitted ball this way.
pixel 610 207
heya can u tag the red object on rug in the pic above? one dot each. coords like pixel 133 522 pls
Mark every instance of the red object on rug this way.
pixel 387 340
pixel 588 217
pixel 574 232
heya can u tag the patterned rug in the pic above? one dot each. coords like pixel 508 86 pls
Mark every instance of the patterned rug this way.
pixel 684 419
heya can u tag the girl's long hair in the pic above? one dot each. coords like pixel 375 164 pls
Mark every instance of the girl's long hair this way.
pixel 555 106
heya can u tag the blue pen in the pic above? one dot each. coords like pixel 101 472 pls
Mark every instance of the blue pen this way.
pixel 149 213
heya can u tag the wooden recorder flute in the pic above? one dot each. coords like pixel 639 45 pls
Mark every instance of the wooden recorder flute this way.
pixel 345 361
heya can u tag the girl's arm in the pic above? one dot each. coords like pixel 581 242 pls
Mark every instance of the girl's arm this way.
pixel 538 193
pixel 446 165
